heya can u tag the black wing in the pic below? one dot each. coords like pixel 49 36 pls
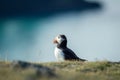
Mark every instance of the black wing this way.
pixel 70 55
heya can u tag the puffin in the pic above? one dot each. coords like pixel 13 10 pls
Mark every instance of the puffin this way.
pixel 62 52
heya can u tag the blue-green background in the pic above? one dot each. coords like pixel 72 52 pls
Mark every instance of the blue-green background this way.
pixel 92 34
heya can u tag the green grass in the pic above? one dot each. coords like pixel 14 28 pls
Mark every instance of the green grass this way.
pixel 74 70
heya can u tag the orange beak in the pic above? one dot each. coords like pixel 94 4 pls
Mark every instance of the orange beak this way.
pixel 55 41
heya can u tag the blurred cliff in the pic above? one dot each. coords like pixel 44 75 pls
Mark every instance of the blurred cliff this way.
pixel 20 8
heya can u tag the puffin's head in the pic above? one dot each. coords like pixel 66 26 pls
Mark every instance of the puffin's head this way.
pixel 59 39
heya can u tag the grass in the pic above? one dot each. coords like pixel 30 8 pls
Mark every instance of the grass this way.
pixel 100 70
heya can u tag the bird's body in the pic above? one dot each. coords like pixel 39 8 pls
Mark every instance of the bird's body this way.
pixel 59 54
pixel 63 53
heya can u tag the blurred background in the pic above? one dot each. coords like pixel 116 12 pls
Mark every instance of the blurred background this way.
pixel 28 27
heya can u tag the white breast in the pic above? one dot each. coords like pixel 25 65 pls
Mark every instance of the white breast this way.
pixel 59 54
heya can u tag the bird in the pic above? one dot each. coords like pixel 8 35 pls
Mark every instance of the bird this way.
pixel 62 52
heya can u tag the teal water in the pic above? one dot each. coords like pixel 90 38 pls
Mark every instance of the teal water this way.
pixel 16 37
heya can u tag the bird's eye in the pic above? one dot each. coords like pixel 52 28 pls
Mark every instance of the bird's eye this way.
pixel 58 37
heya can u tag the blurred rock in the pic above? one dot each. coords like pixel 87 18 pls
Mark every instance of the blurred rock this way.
pixel 39 69
pixel 20 64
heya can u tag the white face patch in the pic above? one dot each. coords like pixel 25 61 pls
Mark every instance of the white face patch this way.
pixel 59 39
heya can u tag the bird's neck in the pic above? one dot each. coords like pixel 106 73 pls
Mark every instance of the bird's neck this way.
pixel 62 45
